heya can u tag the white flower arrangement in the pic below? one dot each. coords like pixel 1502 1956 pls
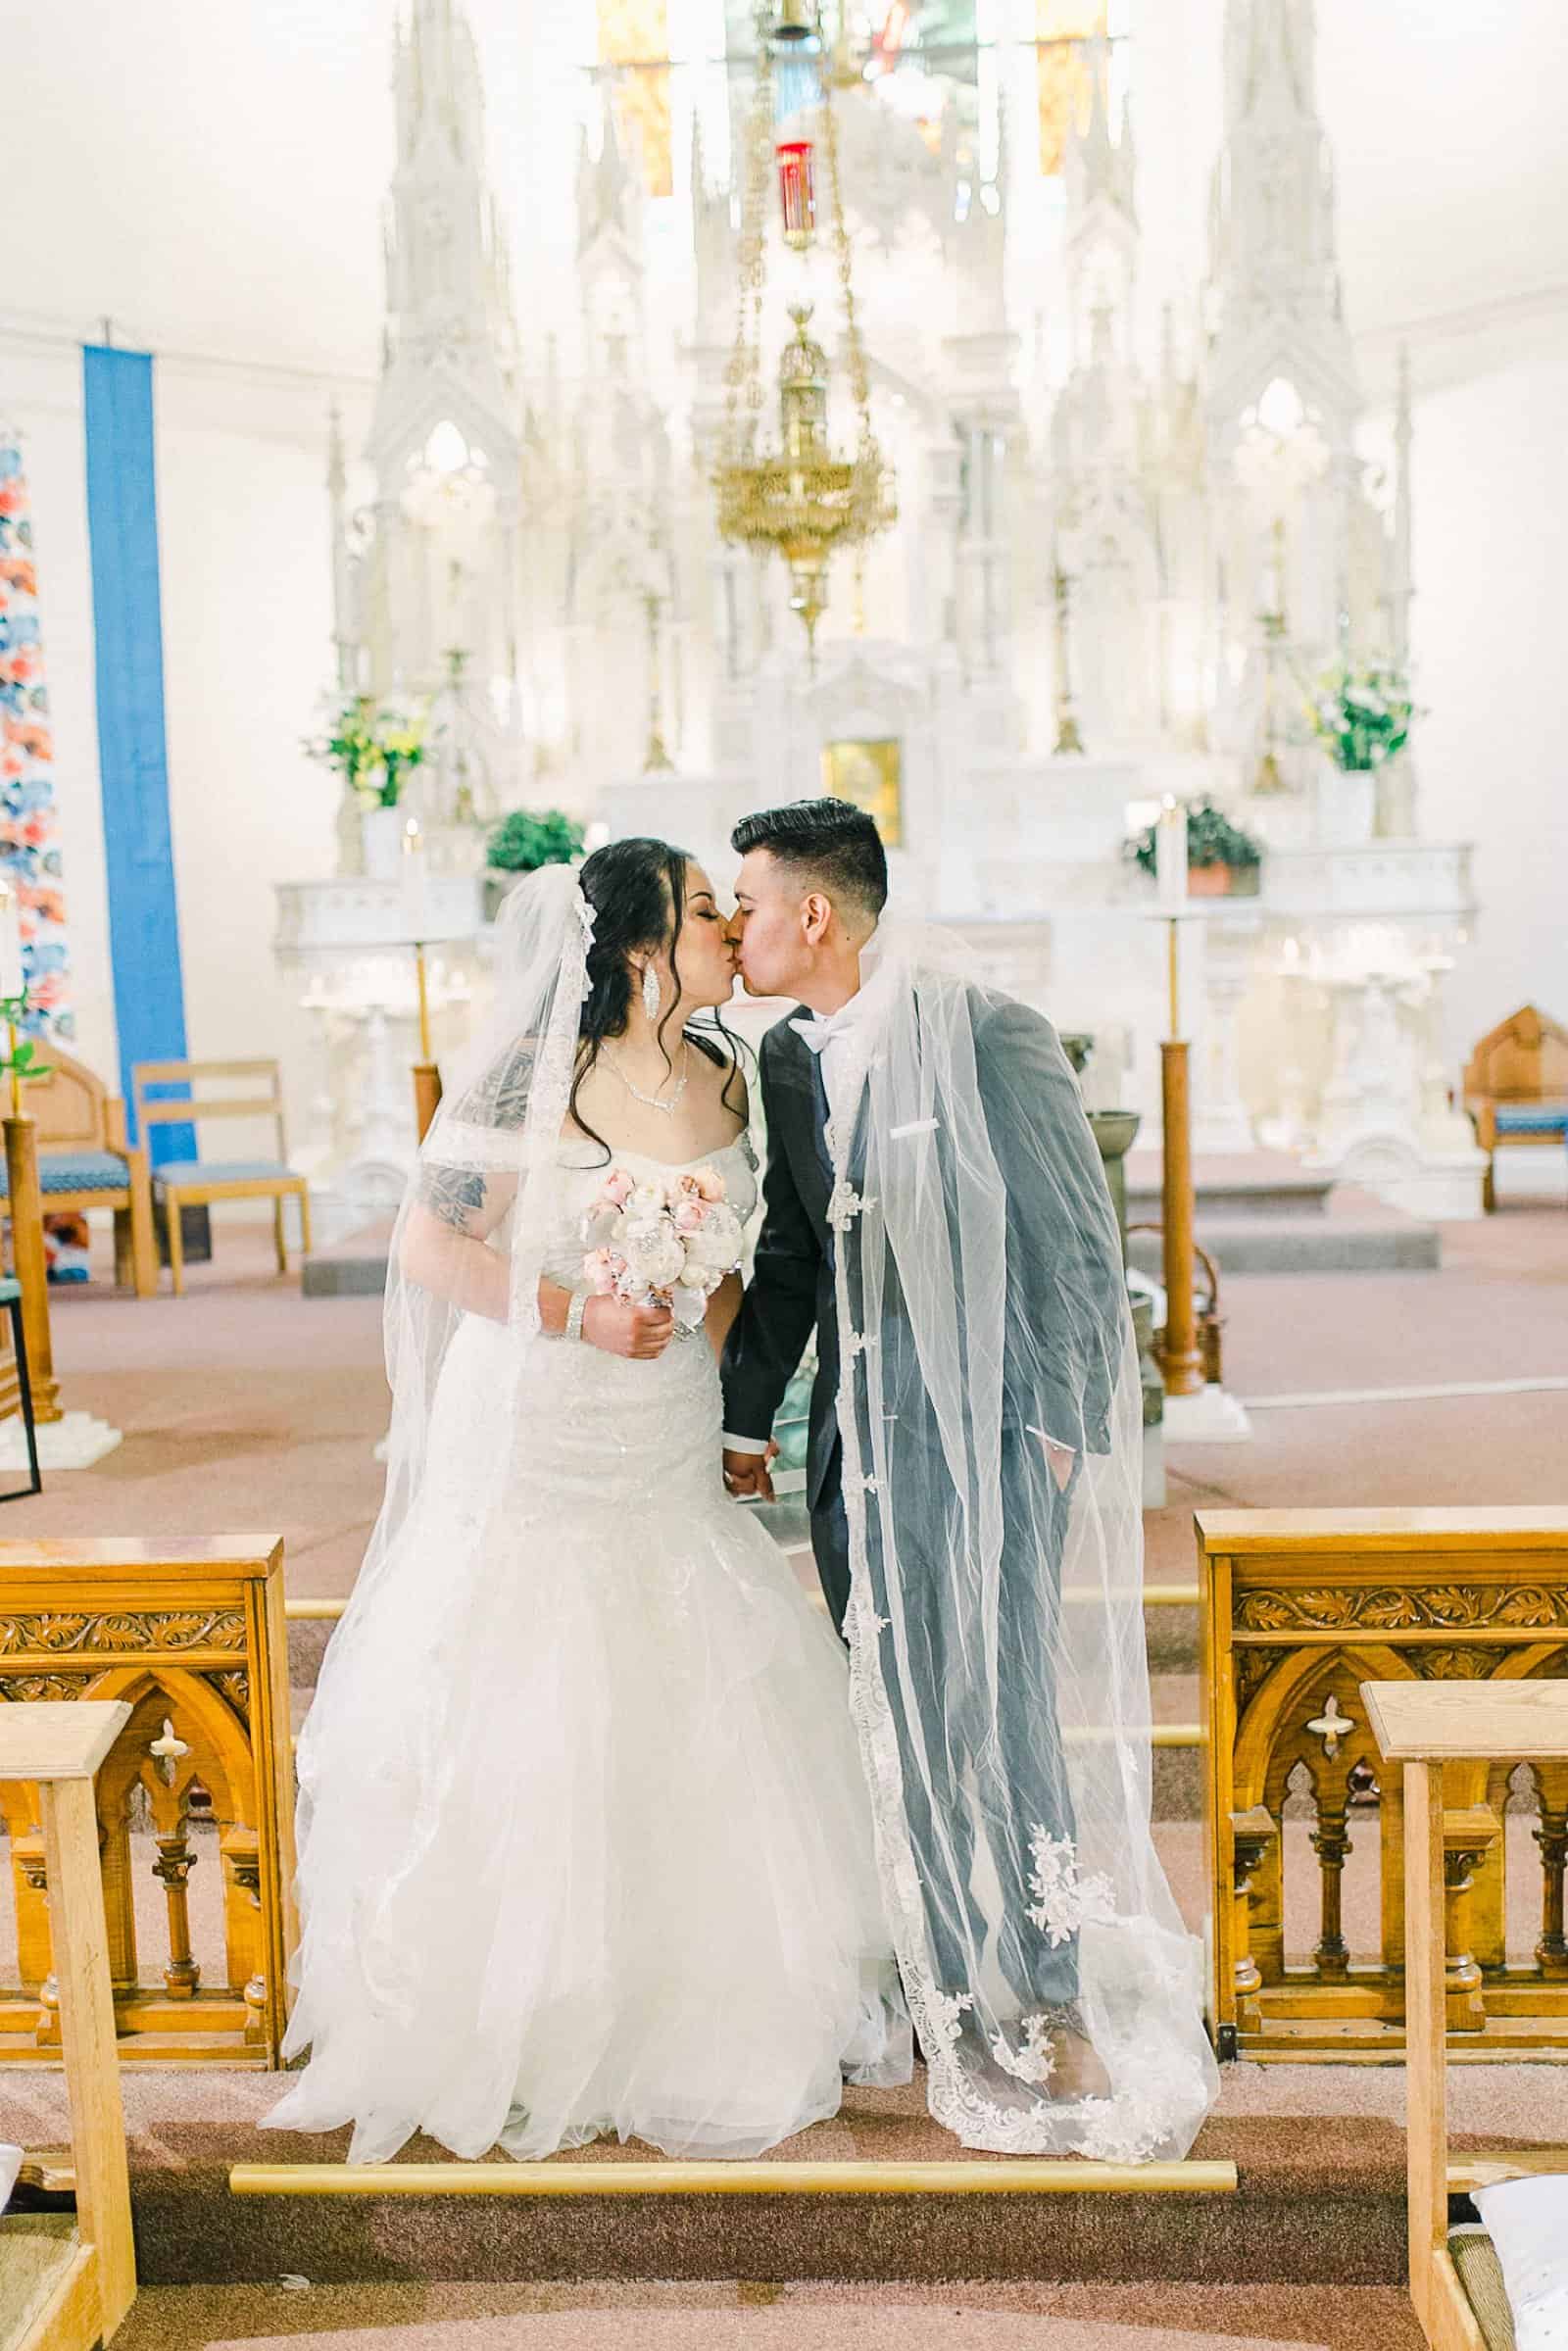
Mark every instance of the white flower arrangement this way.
pixel 671 1243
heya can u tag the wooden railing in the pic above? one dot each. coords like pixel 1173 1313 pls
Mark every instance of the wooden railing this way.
pixel 1300 1608
pixel 193 1640
pixel 93 2281
pixel 1424 1736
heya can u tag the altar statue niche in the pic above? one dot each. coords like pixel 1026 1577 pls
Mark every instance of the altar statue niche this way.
pixel 869 774
pixel 1297 1609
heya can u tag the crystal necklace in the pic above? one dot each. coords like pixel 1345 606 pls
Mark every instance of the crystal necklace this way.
pixel 653 1100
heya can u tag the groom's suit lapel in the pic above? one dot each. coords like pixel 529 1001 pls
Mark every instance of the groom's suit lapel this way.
pixel 802 1116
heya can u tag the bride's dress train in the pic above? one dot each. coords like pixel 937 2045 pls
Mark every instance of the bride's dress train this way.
pixel 586 1846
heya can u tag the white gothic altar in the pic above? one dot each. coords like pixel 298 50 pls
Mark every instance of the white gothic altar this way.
pixel 1124 546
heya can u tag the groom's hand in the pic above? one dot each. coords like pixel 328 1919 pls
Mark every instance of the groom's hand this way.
pixel 746 1475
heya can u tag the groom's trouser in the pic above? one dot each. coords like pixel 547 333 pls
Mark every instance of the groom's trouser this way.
pixel 981 1762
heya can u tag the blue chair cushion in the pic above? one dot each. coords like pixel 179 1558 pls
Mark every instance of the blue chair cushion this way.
pixel 76 1171
pixel 1533 1122
pixel 221 1171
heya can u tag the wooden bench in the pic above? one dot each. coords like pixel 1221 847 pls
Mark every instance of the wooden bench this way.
pixel 1516 1088
pixel 86 1162
pixel 1421 1726
pixel 67 2286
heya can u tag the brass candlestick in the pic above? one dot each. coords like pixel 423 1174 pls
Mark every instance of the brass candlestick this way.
pixel 656 758
pixel 1269 779
pixel 1068 740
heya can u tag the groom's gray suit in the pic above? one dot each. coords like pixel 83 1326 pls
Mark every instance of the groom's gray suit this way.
pixel 791 1288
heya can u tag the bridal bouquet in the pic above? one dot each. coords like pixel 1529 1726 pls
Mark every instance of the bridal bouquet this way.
pixel 671 1243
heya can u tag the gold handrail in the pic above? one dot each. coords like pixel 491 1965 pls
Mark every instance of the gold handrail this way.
pixel 1155 1595
pixel 1046 2175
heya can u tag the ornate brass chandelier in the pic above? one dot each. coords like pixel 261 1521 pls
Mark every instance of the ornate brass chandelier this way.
pixel 797 498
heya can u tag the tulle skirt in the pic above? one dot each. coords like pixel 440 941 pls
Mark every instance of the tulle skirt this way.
pixel 585 1845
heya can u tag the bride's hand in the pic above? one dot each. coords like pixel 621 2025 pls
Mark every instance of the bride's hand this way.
pixel 640 1333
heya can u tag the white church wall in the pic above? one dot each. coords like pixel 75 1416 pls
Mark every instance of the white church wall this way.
pixel 247 651
pixel 1491 498
pixel 247 625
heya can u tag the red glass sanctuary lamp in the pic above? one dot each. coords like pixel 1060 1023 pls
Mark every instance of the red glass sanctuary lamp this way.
pixel 796 191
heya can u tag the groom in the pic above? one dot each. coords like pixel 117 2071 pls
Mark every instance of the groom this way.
pixel 809 894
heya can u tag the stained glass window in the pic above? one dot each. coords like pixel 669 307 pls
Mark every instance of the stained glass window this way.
pixel 1061 71
pixel 635 54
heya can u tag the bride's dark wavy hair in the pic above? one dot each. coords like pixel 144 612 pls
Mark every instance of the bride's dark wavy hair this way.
pixel 637 890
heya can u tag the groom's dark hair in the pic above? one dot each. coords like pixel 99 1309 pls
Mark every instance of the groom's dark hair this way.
pixel 829 841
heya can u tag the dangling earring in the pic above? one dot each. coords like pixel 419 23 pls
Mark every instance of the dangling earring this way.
pixel 652 993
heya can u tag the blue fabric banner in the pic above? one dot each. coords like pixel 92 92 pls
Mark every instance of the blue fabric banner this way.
pixel 127 628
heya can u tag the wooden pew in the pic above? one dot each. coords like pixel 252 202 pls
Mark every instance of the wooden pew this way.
pixel 72 2293
pixel 1421 1726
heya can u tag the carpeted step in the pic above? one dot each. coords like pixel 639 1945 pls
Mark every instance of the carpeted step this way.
pixel 1312 2206
pixel 744 2316
pixel 1319 2153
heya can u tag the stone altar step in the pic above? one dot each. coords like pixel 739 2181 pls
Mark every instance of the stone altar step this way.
pixel 1264 1212
pixel 1231 1184
pixel 353 1267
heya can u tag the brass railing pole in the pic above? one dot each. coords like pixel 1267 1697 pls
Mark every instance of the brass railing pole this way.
pixel 426 1076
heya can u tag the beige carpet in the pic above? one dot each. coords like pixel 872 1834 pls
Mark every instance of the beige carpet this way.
pixel 715 2317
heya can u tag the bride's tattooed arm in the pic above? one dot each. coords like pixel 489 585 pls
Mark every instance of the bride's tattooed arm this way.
pixel 499 1102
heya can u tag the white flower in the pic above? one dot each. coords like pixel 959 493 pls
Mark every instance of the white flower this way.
pixel 646 1202
pixel 654 1254
pixel 716 1241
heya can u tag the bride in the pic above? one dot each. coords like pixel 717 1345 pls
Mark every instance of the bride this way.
pixel 585 1845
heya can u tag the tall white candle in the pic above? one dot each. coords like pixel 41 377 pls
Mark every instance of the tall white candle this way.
pixel 12 980
pixel 1170 854
pixel 414 883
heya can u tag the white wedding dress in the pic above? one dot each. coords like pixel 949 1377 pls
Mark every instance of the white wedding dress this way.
pixel 586 1845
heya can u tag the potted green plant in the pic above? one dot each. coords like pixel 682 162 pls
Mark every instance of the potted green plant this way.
pixel 1222 861
pixel 522 842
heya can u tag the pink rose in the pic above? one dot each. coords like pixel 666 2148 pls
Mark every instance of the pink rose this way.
pixel 619 1186
pixel 710 1183
pixel 690 1215
pixel 602 1269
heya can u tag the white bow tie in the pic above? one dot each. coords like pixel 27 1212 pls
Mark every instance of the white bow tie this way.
pixel 817 1031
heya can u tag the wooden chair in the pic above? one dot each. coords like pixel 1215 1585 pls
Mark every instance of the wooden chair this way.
pixel 1421 1725
pixel 86 1162
pixel 66 2285
pixel 1516 1088
pixel 196 1183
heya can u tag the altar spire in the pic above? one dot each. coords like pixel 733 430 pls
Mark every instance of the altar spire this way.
pixel 1273 299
